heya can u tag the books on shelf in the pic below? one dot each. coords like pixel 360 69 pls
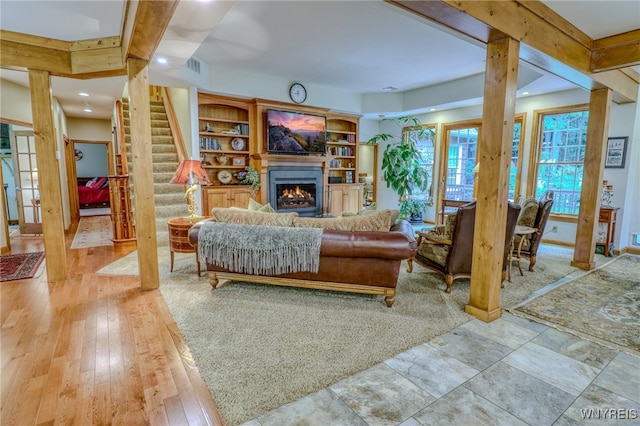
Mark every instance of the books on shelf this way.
pixel 209 143
pixel 342 151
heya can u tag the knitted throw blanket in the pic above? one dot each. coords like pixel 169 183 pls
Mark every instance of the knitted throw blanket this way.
pixel 260 249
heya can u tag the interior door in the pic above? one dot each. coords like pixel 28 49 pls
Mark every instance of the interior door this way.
pixel 26 176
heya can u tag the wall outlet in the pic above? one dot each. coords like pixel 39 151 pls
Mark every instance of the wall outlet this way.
pixel 554 229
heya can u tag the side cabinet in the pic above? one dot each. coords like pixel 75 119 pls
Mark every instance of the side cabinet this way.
pixel 224 197
pixel 345 198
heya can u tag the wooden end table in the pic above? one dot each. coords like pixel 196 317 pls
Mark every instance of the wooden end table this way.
pixel 179 239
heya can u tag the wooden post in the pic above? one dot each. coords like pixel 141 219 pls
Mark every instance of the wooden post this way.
pixel 494 156
pixel 49 175
pixel 597 130
pixel 140 117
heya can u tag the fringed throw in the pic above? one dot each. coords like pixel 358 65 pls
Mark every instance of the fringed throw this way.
pixel 260 249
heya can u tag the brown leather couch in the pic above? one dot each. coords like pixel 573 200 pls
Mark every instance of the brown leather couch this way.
pixel 358 262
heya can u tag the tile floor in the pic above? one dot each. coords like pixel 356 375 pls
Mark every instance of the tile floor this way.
pixel 512 371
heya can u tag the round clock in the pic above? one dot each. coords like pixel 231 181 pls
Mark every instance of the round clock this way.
pixel 224 177
pixel 238 144
pixel 297 93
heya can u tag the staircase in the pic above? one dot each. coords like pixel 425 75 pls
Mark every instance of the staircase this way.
pixel 169 199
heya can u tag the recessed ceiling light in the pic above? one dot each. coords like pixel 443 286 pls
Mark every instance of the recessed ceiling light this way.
pixel 525 93
pixel 83 94
pixel 162 60
pixel 87 110
pixel 389 88
pixel 432 109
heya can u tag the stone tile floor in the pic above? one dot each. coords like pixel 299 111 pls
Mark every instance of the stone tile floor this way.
pixel 512 371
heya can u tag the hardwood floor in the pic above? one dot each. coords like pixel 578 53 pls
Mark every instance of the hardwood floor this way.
pixel 94 350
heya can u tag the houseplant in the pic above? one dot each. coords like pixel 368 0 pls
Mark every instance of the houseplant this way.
pixel 412 208
pixel 250 176
pixel 401 166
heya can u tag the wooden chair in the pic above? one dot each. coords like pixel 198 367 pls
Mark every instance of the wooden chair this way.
pixel 532 242
pixel 448 249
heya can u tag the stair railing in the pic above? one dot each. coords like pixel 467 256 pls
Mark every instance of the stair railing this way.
pixel 119 187
pixel 176 134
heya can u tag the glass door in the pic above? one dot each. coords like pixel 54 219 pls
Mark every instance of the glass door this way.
pixel 26 176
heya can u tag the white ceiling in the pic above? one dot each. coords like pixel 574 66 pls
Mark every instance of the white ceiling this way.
pixel 355 46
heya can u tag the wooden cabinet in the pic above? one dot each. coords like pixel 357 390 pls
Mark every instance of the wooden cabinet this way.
pixel 342 134
pixel 236 196
pixel 345 198
pixel 224 132
pixel 606 230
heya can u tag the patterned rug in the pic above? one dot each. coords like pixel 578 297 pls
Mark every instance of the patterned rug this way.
pixel 93 231
pixel 20 266
pixel 603 304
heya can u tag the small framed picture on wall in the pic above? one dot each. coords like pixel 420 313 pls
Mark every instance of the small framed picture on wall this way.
pixel 238 161
pixel 616 152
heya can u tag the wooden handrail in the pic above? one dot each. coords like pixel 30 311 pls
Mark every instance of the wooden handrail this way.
pixel 176 134
pixel 122 145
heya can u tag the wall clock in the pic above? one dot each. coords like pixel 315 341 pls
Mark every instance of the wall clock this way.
pixel 298 93
pixel 224 177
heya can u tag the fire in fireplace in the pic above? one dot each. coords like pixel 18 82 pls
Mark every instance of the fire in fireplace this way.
pixel 295 189
pixel 296 196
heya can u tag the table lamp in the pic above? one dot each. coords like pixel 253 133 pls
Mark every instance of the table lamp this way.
pixel 191 174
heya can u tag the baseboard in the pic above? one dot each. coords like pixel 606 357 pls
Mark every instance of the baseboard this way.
pixel 630 250
pixel 558 243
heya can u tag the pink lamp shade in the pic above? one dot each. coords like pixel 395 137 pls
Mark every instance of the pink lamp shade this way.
pixel 190 172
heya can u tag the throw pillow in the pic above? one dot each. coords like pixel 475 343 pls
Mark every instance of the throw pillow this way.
pixel 376 222
pixel 247 217
pixel 256 206
pixel 528 212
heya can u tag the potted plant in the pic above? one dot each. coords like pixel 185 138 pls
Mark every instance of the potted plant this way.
pixel 401 167
pixel 250 176
pixel 412 209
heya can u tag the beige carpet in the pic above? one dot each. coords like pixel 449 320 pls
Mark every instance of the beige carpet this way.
pixel 93 231
pixel 603 305
pixel 259 346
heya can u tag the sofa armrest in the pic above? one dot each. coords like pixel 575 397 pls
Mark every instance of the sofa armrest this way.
pixel 193 231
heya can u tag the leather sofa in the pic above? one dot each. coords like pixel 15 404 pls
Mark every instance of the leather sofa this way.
pixel 350 261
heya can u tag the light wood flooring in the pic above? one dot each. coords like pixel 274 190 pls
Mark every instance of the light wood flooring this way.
pixel 94 350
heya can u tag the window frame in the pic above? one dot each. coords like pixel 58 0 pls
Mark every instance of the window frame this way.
pixel 536 148
pixel 434 129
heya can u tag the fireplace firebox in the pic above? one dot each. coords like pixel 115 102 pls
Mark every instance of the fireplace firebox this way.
pixel 296 189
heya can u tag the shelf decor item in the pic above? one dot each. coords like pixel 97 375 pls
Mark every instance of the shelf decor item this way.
pixel 191 174
pixel 607 194
pixel 250 176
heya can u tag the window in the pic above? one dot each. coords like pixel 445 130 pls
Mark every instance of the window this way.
pixel 423 138
pixel 461 149
pixel 515 170
pixel 561 140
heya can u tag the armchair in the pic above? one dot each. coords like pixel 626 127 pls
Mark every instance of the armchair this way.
pixel 534 214
pixel 448 249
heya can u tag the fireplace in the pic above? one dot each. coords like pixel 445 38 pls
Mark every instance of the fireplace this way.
pixel 296 189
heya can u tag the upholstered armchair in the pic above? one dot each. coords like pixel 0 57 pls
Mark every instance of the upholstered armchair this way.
pixel 448 249
pixel 534 214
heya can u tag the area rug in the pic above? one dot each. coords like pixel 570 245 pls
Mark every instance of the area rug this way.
pixel 20 266
pixel 258 346
pixel 93 231
pixel 603 305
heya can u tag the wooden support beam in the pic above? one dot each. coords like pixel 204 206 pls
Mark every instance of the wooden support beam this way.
pixel 494 157
pixel 140 113
pixel 151 21
pixel 548 40
pixel 617 51
pixel 49 175
pixel 597 131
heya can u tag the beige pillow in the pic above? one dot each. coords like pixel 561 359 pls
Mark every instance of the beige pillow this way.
pixel 248 217
pixel 528 212
pixel 379 221
pixel 256 206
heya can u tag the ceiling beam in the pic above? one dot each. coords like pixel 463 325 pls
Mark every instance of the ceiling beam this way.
pixel 617 51
pixel 548 40
pixel 151 21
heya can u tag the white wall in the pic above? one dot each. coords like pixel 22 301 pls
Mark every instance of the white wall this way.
pixel 180 98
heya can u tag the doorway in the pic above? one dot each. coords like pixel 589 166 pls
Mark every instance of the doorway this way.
pixel 26 180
